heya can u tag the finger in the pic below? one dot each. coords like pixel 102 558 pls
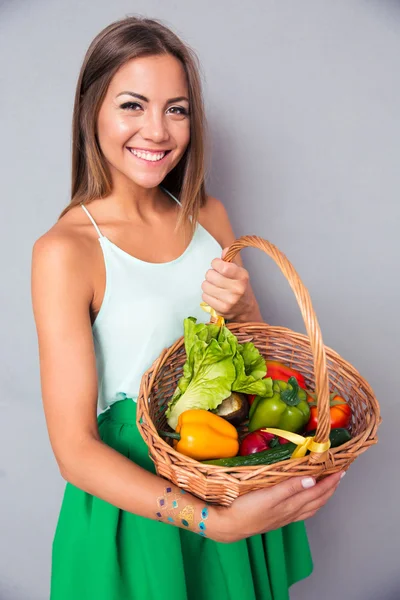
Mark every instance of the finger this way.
pixel 304 487
pixel 230 270
pixel 312 497
pixel 321 501
pixel 314 507
pixel 237 259
pixel 236 285
pixel 227 295
pixel 220 306
pixel 305 516
pixel 290 487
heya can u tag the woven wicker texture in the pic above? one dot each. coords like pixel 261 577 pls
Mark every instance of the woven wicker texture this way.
pixel 323 369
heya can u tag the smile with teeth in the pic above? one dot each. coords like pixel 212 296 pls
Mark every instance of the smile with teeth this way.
pixel 150 156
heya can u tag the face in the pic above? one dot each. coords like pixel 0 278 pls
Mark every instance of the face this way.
pixel 144 125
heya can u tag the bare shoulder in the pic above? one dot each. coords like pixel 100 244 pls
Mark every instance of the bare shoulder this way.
pixel 68 234
pixel 60 273
pixel 65 247
pixel 55 245
pixel 214 217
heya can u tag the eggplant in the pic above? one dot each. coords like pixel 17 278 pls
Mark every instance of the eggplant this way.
pixel 235 408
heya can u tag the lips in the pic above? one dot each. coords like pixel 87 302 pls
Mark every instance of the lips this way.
pixel 146 160
pixel 157 151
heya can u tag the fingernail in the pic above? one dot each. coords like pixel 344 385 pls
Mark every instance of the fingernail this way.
pixel 343 474
pixel 307 482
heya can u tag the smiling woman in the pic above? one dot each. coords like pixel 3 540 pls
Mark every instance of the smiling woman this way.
pixel 111 287
pixel 154 132
pixel 168 106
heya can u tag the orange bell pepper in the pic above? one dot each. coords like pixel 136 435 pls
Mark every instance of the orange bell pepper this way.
pixel 340 413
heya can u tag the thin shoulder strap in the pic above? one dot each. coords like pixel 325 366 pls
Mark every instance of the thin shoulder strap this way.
pixel 169 193
pixel 93 221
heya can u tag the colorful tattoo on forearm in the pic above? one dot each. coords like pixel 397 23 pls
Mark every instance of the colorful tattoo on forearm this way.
pixel 172 509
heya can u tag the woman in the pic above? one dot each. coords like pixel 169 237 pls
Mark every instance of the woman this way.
pixel 112 281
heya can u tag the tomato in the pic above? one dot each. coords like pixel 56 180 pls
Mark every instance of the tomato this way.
pixel 340 414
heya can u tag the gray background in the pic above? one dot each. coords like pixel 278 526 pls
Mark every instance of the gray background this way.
pixel 303 107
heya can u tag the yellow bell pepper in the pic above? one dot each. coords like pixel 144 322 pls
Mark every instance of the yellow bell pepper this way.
pixel 203 435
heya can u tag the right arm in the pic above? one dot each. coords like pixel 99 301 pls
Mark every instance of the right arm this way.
pixel 61 297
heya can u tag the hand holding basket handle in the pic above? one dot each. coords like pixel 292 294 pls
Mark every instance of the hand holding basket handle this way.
pixel 312 328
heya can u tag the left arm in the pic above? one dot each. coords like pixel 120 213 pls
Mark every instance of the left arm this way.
pixel 227 286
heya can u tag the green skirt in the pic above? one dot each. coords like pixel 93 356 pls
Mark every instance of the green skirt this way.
pixel 103 553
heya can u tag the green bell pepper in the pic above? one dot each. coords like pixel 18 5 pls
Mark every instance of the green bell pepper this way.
pixel 288 408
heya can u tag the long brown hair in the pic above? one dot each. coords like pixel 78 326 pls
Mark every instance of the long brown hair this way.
pixel 123 40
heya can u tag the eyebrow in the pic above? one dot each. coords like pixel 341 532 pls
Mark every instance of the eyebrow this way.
pixel 140 97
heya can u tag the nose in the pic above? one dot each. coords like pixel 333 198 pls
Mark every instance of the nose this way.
pixel 155 127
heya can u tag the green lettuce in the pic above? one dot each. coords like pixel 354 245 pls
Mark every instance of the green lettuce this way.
pixel 250 370
pixel 216 365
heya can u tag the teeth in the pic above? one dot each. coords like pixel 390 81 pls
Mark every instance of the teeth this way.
pixel 148 156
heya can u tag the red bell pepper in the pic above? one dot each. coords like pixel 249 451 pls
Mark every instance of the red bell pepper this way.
pixel 277 370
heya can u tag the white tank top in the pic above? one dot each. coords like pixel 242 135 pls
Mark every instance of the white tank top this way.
pixel 143 310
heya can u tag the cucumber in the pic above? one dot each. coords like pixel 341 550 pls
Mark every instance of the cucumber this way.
pixel 337 437
pixel 266 457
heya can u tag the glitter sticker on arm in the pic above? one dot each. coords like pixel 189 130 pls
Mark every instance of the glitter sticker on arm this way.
pixel 171 508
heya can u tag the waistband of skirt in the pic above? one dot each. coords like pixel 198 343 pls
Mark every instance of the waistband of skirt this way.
pixel 123 411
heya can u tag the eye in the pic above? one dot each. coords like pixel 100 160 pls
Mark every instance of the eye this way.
pixel 180 109
pixel 130 105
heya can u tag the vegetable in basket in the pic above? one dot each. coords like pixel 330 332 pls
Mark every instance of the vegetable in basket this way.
pixel 282 452
pixel 277 370
pixel 201 435
pixel 234 409
pixel 259 440
pixel 216 365
pixel 340 413
pixel 288 408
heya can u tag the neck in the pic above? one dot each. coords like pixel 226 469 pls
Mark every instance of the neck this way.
pixel 132 201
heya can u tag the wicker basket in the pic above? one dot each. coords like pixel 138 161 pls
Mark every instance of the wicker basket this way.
pixel 323 369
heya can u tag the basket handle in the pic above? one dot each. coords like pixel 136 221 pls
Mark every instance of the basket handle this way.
pixel 312 328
